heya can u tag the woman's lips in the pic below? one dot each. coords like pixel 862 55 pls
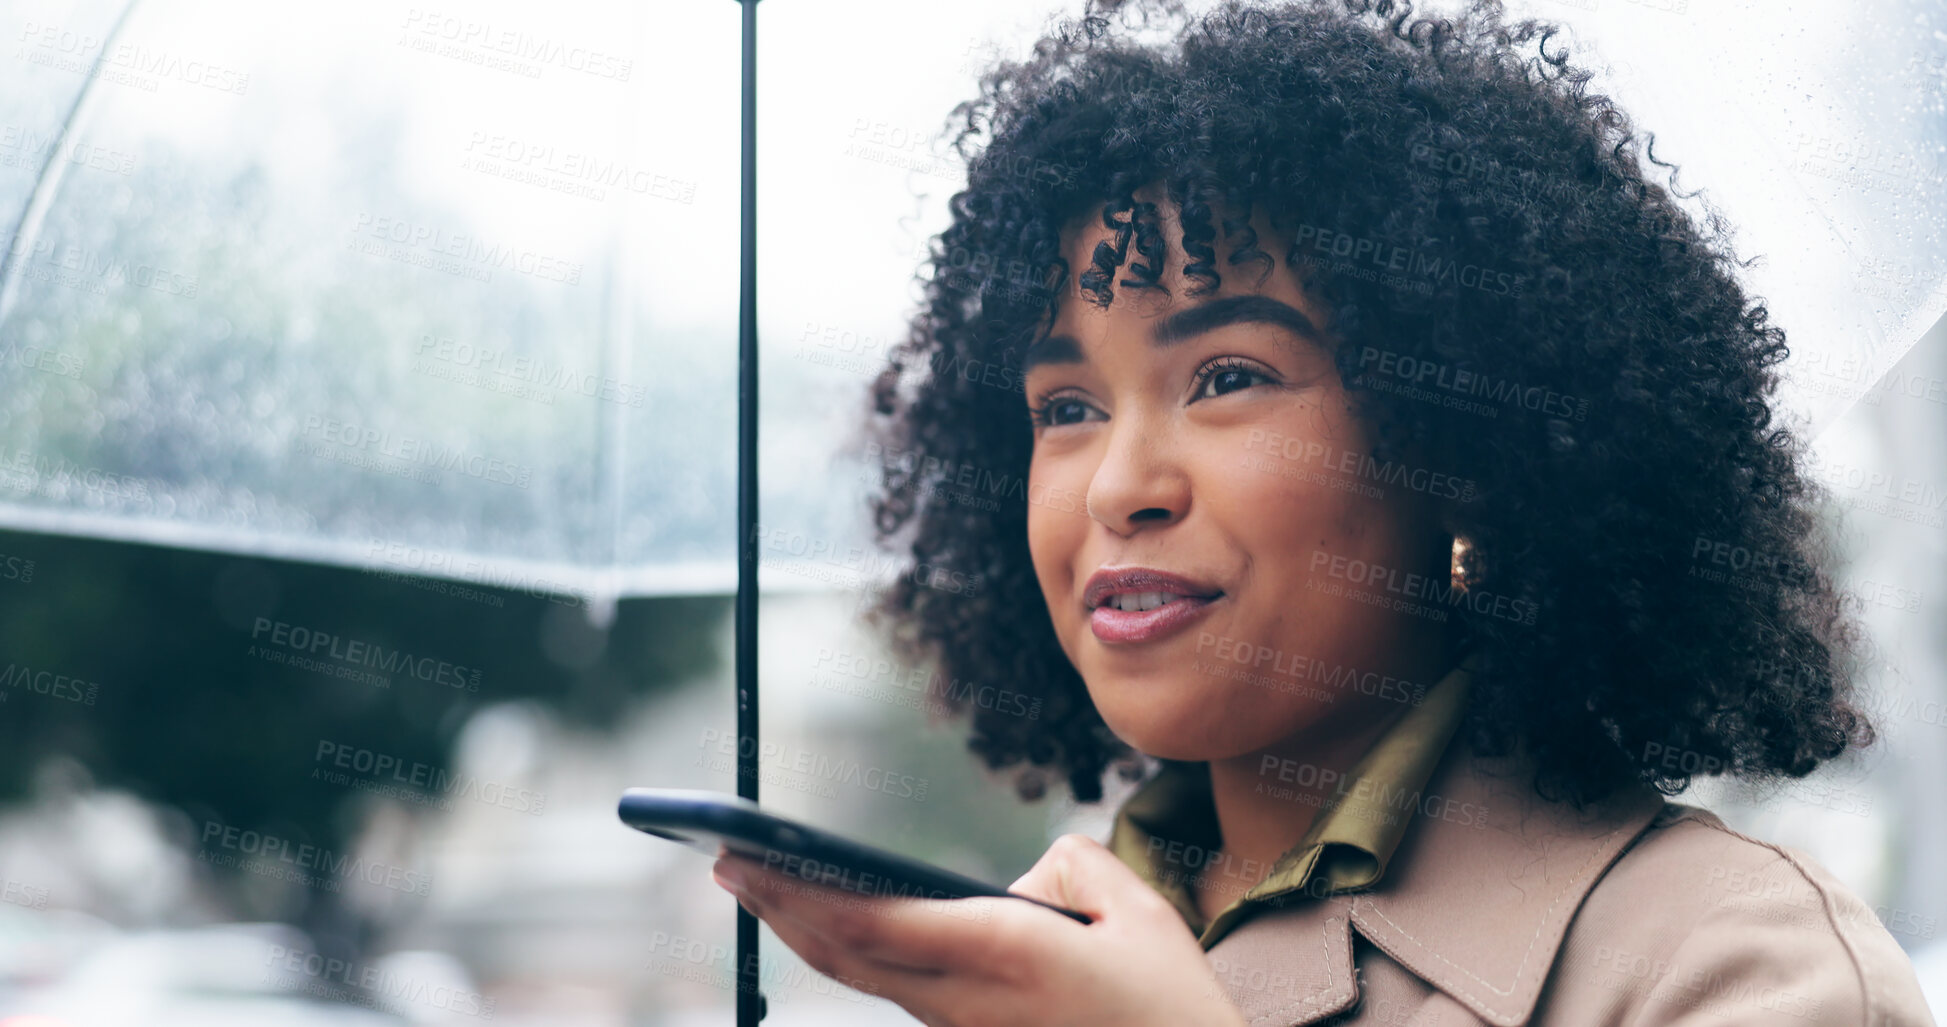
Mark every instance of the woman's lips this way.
pixel 1123 626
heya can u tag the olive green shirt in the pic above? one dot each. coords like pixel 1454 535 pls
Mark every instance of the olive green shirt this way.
pixel 1167 831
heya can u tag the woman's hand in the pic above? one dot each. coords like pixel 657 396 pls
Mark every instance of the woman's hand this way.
pixel 975 962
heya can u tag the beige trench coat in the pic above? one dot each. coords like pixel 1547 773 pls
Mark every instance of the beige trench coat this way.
pixel 1635 912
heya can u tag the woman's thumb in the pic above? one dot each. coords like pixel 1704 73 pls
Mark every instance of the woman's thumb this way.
pixel 1078 873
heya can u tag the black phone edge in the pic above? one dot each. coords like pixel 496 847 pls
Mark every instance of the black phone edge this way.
pixel 724 815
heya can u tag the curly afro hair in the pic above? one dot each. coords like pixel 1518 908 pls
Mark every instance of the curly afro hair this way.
pixel 1479 225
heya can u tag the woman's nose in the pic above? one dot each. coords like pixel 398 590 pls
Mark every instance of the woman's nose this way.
pixel 1139 480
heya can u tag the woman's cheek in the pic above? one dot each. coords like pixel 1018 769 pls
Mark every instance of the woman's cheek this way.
pixel 1057 528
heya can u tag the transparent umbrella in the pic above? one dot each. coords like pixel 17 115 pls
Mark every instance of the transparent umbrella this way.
pixel 1821 134
pixel 366 284
pixel 448 294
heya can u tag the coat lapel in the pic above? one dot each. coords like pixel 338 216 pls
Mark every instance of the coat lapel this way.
pixel 1289 965
pixel 1475 901
pixel 1478 900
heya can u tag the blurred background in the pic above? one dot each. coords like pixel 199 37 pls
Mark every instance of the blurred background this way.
pixel 367 477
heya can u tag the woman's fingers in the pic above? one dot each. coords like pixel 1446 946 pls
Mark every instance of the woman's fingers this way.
pixel 995 961
pixel 826 954
pixel 1079 873
pixel 852 922
pixel 849 945
pixel 988 937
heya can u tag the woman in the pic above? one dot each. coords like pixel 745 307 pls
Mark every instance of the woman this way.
pixel 1409 498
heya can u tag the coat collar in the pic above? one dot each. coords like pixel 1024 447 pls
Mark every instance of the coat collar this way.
pixel 1475 902
pixel 1349 842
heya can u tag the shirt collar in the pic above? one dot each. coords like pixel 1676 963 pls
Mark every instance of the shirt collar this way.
pixel 1348 845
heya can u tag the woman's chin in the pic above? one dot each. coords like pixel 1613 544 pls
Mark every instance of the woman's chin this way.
pixel 1177 739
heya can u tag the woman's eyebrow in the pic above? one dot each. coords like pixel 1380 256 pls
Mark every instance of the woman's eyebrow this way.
pixel 1185 324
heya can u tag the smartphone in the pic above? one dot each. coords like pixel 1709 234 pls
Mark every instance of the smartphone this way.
pixel 714 821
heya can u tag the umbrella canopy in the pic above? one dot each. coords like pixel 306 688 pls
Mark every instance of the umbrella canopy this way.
pixel 442 294
pixel 1820 135
pixel 449 294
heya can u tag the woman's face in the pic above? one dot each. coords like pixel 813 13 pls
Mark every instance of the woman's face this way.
pixel 1222 453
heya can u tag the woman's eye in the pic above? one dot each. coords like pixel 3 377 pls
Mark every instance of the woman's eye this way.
pixel 1227 378
pixel 1061 410
pixel 1211 381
